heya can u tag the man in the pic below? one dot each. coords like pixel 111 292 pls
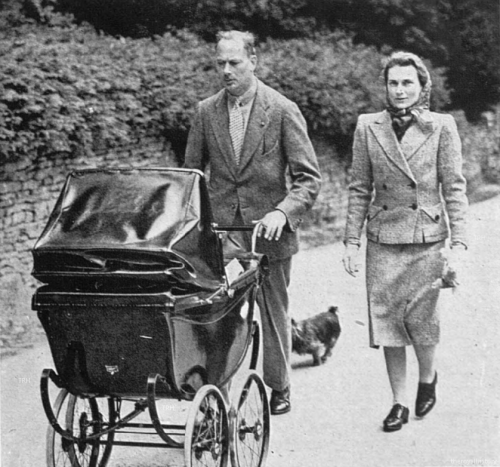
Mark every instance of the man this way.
pixel 248 136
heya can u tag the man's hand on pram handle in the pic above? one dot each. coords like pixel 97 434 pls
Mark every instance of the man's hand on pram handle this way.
pixel 271 225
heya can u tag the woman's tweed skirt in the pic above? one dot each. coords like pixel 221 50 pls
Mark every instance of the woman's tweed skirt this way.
pixel 402 304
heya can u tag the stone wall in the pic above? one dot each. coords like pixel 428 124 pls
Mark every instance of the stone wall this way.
pixel 29 190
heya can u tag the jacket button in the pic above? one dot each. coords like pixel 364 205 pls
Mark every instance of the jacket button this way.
pixel 384 186
pixel 413 185
pixel 414 206
pixel 437 217
pixel 384 207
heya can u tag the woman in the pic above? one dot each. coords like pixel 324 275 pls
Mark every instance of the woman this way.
pixel 407 183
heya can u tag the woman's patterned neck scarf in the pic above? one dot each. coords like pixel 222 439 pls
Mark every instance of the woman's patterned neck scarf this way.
pixel 403 118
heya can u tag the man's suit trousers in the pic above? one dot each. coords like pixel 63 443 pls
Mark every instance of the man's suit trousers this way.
pixel 276 327
pixel 272 300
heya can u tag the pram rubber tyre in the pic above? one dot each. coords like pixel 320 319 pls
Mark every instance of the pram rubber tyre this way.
pixel 207 430
pixel 71 410
pixel 250 424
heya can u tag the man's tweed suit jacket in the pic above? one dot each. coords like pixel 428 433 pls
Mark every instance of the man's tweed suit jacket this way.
pixel 276 141
pixel 410 192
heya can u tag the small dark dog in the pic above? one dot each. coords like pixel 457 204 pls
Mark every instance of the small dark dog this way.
pixel 311 335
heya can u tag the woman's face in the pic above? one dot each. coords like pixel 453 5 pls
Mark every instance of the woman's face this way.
pixel 403 86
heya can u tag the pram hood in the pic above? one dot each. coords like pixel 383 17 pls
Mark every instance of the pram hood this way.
pixel 140 227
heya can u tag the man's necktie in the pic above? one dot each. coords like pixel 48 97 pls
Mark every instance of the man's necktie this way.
pixel 236 129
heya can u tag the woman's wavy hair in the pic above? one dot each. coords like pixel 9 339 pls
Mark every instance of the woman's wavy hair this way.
pixel 408 59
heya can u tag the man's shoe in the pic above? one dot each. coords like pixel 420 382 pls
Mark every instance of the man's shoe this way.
pixel 426 397
pixel 280 402
pixel 397 417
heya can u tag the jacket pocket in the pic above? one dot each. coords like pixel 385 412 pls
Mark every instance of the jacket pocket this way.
pixel 435 213
pixel 373 212
pixel 270 151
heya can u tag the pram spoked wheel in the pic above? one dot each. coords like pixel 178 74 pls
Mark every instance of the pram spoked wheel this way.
pixel 250 423
pixel 81 418
pixel 207 429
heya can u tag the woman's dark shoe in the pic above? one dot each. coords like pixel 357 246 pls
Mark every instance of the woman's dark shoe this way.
pixel 397 417
pixel 280 402
pixel 426 397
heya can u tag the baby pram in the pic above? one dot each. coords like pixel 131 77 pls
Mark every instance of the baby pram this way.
pixel 137 307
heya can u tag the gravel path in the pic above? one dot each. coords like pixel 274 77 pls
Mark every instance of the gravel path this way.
pixel 338 408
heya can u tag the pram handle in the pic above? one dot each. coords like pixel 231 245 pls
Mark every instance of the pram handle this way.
pixel 233 228
pixel 239 228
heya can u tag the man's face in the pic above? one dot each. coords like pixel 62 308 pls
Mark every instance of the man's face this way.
pixel 403 86
pixel 235 67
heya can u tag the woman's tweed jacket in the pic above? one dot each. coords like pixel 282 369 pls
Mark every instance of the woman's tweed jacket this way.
pixel 409 192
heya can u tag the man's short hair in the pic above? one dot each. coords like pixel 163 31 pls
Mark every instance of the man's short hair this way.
pixel 247 38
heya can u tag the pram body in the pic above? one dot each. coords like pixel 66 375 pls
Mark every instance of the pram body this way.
pixel 136 305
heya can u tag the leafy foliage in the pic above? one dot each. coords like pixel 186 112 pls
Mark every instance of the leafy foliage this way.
pixel 70 89
pixel 136 18
pixel 474 58
pixel 481 149
pixel 332 80
pixel 460 35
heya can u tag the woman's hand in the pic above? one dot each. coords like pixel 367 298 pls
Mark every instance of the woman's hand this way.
pixel 453 267
pixel 351 259
pixel 454 263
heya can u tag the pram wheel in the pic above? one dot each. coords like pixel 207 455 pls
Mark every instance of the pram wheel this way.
pixel 250 424
pixel 207 429
pixel 81 418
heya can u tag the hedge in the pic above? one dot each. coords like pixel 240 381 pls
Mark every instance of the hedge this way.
pixel 333 80
pixel 68 88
